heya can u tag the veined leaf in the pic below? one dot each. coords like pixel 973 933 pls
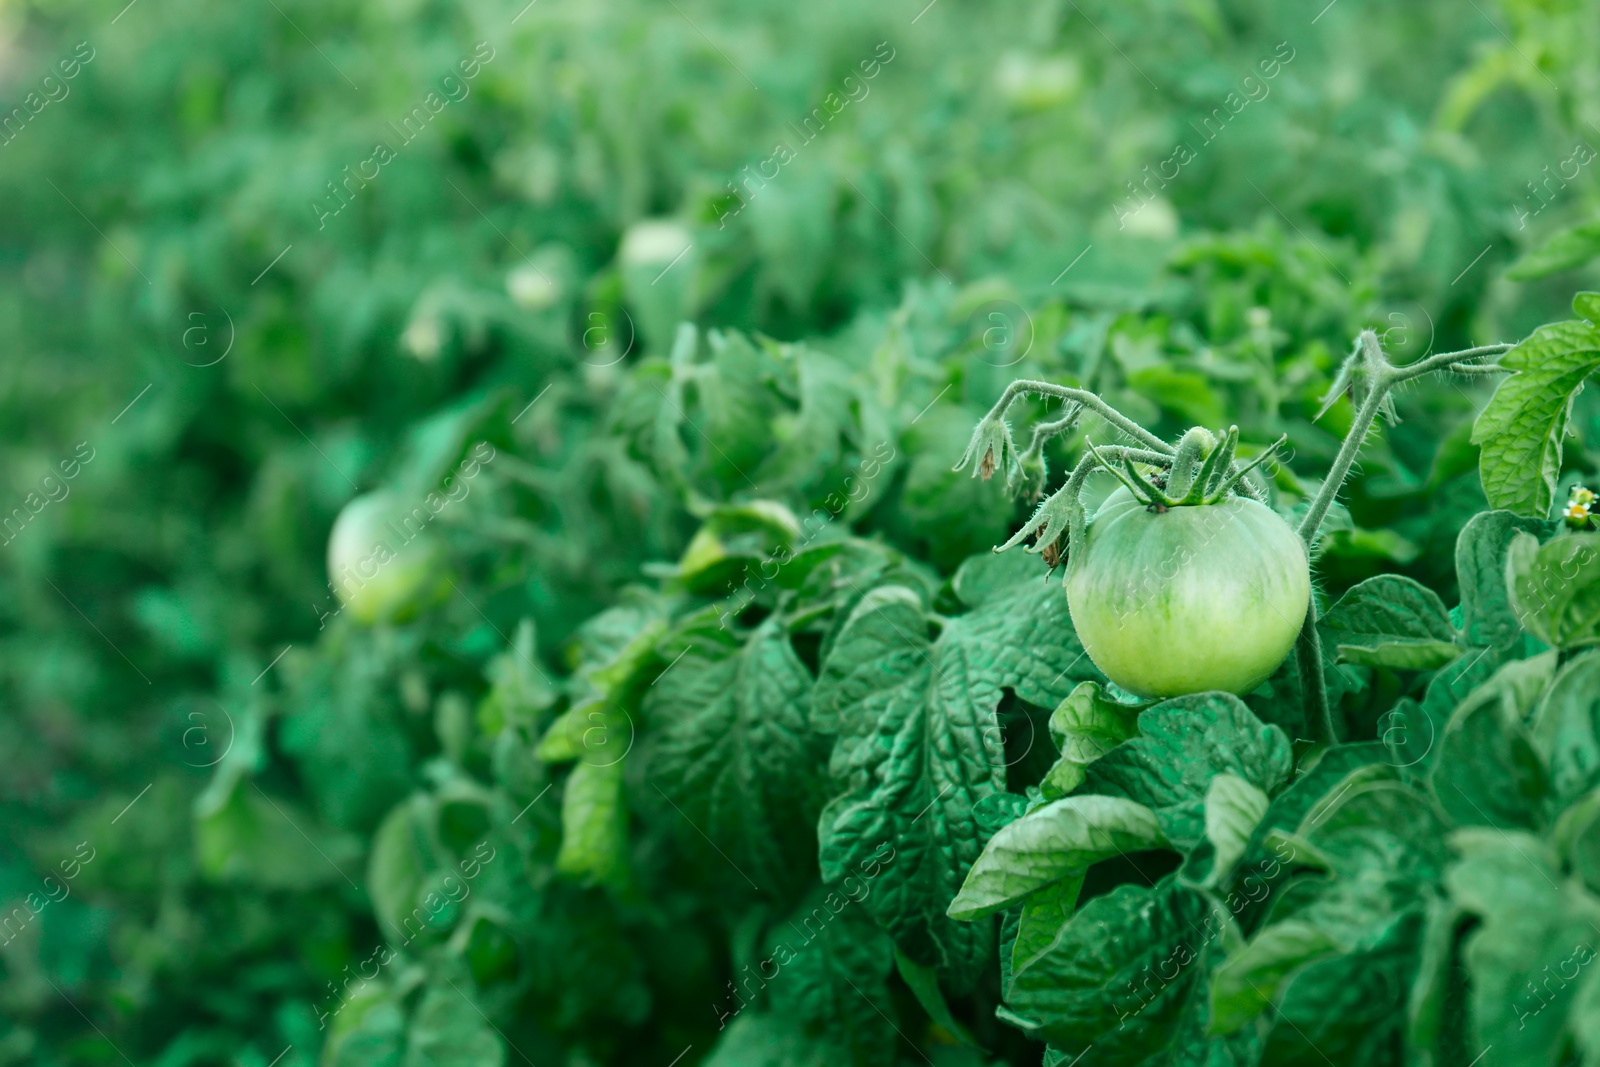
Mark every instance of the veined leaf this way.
pixel 1233 809
pixel 732 749
pixel 1488 772
pixel 1487 620
pixel 1058 841
pixel 1520 430
pixel 594 825
pixel 1085 727
pixel 1184 743
pixel 918 740
pixel 1392 621
pixel 1555 588
pixel 1119 973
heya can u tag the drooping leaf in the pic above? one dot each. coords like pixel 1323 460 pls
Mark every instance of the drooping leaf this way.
pixel 1566 727
pixel 1520 430
pixel 1538 931
pixel 1085 727
pixel 1233 809
pixel 1392 621
pixel 1119 973
pixel 1566 251
pixel 1488 771
pixel 731 748
pixel 1183 744
pixel 1487 620
pixel 594 825
pixel 831 968
pixel 917 737
pixel 1555 588
pixel 1058 841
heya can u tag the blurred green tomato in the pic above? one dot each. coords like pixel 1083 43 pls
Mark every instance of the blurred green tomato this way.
pixel 383 561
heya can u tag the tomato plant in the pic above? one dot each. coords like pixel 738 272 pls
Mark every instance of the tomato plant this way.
pixel 684 713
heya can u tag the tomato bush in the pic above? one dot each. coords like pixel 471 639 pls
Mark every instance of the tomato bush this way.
pixel 683 712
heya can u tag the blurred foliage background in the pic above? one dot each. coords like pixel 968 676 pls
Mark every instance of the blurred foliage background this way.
pixel 242 341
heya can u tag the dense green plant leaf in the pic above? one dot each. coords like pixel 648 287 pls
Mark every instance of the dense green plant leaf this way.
pixel 1085 726
pixel 1565 728
pixel 732 749
pixel 1520 430
pixel 1058 841
pixel 1120 972
pixel 1565 251
pixel 1538 932
pixel 896 699
pixel 1392 621
pixel 448 1030
pixel 831 967
pixel 1487 617
pixel 1488 771
pixel 594 825
pixel 1183 744
pixel 1555 588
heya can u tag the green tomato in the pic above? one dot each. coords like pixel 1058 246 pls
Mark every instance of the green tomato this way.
pixel 383 561
pixel 1188 599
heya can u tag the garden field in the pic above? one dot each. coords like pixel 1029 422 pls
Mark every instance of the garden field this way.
pixel 825 535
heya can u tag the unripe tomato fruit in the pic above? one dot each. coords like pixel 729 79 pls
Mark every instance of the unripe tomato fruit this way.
pixel 383 561
pixel 1188 599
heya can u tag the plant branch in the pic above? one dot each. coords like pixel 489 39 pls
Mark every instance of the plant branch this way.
pixel 1088 400
pixel 1445 360
pixel 1343 461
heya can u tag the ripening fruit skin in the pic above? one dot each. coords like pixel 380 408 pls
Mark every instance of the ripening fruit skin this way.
pixel 381 567
pixel 1189 599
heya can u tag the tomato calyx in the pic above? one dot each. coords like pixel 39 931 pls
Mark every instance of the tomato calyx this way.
pixel 1199 475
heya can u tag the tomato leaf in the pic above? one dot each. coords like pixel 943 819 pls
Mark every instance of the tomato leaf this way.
pixel 1565 727
pixel 1555 588
pixel 1488 772
pixel 1085 727
pixel 1538 932
pixel 731 747
pixel 1565 251
pixel 1392 621
pixel 1060 840
pixel 1183 744
pixel 1120 971
pixel 1486 616
pixel 1520 430
pixel 594 825
pixel 918 740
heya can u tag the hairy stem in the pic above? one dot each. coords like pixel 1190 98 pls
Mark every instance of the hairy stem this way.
pixel 1444 360
pixel 1088 400
pixel 1346 457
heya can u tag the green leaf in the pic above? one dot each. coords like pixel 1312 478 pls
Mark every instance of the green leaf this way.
pixel 369 1030
pixel 1118 975
pixel 731 748
pixel 1486 616
pixel 1249 981
pixel 761 1039
pixel 1488 771
pixel 924 985
pixel 1537 932
pixel 1520 430
pixel 594 825
pixel 449 1030
pixel 1555 588
pixel 1184 743
pixel 1566 251
pixel 1043 915
pixel 397 868
pixel 1566 727
pixel 1085 727
pixel 1576 837
pixel 1233 809
pixel 918 741
pixel 829 972
pixel 1060 840
pixel 1392 621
